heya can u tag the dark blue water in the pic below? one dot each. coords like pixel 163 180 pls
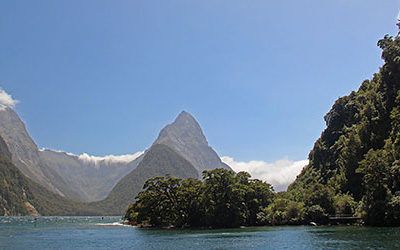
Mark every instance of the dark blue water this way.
pixel 107 233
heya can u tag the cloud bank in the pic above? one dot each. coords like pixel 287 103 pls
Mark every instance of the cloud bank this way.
pixel 280 173
pixel 108 159
pixel 6 100
pixel 96 160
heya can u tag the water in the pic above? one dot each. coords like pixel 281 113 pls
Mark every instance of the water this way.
pixel 108 233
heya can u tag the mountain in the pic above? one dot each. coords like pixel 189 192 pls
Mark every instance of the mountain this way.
pixel 358 154
pixel 186 137
pixel 159 160
pixel 25 154
pixel 181 150
pixel 60 183
pixel 50 204
pixel 21 196
pixel 14 191
pixel 70 176
pixel 92 178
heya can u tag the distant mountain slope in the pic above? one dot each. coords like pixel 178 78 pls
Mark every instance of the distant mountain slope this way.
pixel 14 191
pixel 160 160
pixel 186 137
pixel 92 179
pixel 25 154
pixel 21 196
pixel 51 204
pixel 61 173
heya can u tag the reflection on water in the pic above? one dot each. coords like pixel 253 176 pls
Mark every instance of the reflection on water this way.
pixel 109 233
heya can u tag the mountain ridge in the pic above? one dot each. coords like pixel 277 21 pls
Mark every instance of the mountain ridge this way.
pixel 61 173
pixel 180 150
pixel 91 184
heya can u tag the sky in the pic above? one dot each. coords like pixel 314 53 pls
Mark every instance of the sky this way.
pixel 103 77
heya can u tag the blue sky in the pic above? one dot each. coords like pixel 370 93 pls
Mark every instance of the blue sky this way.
pixel 104 77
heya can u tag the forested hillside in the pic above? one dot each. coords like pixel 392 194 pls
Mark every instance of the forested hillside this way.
pixel 356 161
pixel 21 196
pixel 14 191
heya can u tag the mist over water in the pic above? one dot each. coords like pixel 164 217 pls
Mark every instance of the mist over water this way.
pixel 109 233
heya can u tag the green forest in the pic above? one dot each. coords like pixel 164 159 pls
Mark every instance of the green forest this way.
pixel 354 169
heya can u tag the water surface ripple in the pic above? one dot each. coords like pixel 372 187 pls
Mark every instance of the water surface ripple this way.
pixel 109 233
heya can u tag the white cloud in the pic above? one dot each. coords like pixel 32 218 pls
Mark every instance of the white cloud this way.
pixel 108 159
pixel 96 160
pixel 6 100
pixel 280 173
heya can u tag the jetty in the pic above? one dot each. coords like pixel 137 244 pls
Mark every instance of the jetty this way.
pixel 344 219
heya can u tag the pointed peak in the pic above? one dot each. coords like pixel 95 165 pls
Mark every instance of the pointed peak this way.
pixel 185 119
pixel 184 116
pixel 184 128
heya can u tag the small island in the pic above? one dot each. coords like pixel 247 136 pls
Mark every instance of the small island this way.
pixel 225 199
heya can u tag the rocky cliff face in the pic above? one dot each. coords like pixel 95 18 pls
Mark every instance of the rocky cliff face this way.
pixel 15 196
pixel 186 137
pixel 24 152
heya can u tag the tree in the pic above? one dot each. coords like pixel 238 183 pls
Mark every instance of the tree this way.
pixel 190 203
pixel 222 200
pixel 157 204
pixel 283 211
pixel 258 195
pixel 344 204
pixel 316 213
pixel 376 192
pixel 321 195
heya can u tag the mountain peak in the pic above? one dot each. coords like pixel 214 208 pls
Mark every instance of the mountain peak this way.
pixel 186 137
pixel 185 117
pixel 184 114
pixel 184 129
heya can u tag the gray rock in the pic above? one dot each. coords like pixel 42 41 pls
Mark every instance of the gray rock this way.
pixel 186 137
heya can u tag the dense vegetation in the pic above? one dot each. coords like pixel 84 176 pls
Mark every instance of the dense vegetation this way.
pixel 14 191
pixel 222 199
pixel 356 161
pixel 354 170
pixel 228 199
pixel 51 204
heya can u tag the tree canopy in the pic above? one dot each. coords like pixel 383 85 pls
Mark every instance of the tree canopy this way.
pixel 222 199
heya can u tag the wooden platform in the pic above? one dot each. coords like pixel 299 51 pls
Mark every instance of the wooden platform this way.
pixel 344 219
